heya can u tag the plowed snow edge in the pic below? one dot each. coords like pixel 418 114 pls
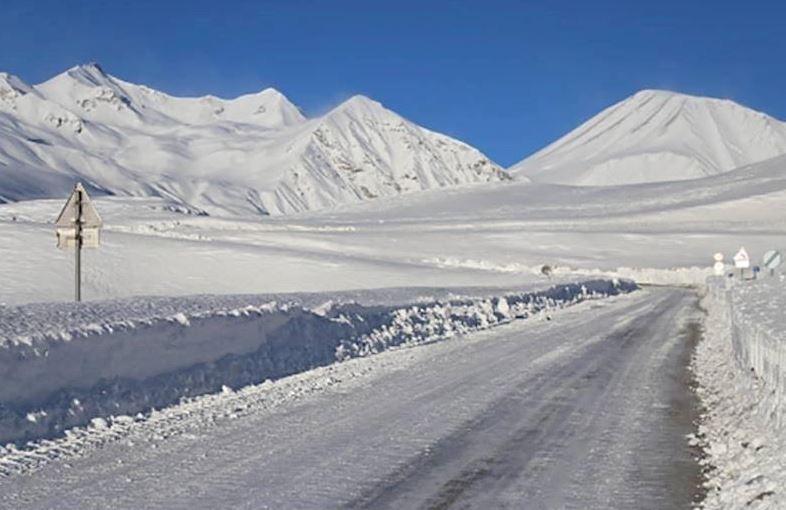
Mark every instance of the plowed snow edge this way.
pixel 110 372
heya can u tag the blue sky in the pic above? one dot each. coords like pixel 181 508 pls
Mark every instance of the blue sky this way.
pixel 507 77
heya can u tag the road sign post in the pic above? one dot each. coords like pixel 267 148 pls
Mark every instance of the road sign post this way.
pixel 78 248
pixel 77 227
pixel 771 260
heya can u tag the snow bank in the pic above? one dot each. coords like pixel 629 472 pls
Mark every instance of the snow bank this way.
pixel 682 276
pixel 758 335
pixel 64 364
pixel 741 370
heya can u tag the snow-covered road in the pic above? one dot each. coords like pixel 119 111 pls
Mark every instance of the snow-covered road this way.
pixel 588 410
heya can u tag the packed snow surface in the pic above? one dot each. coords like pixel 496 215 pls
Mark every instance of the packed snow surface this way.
pixel 572 412
pixel 255 154
pixel 656 136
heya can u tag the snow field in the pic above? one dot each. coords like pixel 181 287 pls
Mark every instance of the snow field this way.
pixel 740 369
pixel 123 357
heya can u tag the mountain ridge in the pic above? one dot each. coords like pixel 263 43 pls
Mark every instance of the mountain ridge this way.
pixel 255 153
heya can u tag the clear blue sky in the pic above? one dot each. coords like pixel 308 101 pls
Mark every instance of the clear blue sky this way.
pixel 505 76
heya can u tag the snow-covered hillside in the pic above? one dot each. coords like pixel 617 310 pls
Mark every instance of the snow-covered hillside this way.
pixel 496 234
pixel 252 154
pixel 658 136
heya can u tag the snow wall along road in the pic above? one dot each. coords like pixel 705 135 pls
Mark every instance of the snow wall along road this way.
pixel 63 365
pixel 758 337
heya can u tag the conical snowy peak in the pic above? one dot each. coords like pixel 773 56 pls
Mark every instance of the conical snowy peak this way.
pixel 657 135
pixel 89 92
pixel 78 78
pixel 360 109
pixel 360 150
pixel 89 74
pixel 359 103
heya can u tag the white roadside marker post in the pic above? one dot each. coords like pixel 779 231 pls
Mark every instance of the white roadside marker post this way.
pixel 77 227
pixel 719 267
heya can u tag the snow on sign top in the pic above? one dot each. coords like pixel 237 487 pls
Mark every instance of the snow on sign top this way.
pixel 89 221
pixel 68 216
pixel 741 259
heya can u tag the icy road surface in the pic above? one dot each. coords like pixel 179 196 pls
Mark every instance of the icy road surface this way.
pixel 588 410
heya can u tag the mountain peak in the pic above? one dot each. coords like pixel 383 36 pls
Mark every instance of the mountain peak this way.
pixel 255 153
pixel 649 94
pixel 360 101
pixel 664 95
pixel 658 135
pixel 89 74
pixel 271 92
pixel 360 105
pixel 267 93
pixel 92 67
pixel 267 107
pixel 12 84
pixel 657 92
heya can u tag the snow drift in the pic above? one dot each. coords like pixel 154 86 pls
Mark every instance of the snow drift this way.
pixel 63 365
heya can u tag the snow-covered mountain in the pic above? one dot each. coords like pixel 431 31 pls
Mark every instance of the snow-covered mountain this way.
pixel 658 136
pixel 254 153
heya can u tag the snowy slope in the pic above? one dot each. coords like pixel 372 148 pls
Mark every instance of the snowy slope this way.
pixel 658 136
pixel 252 154
pixel 494 234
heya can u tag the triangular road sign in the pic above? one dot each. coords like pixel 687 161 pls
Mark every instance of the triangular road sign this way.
pixel 77 227
pixel 742 260
pixel 68 216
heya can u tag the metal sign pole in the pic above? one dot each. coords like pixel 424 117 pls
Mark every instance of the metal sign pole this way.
pixel 78 264
pixel 77 227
